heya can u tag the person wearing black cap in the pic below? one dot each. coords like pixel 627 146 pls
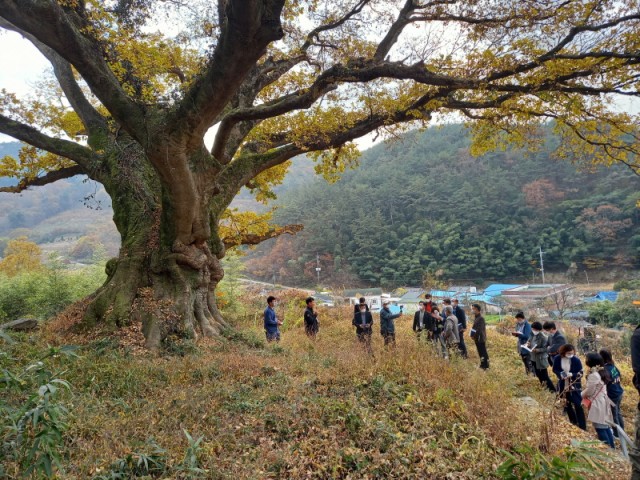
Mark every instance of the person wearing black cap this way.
pixel 311 325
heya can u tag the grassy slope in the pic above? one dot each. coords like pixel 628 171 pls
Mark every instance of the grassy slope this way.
pixel 303 409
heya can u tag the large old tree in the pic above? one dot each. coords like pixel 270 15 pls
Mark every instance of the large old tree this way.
pixel 146 80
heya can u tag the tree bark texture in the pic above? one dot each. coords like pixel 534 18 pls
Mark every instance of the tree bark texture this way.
pixel 168 268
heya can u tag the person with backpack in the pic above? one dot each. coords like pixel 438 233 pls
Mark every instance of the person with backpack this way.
pixel 568 368
pixel 614 388
pixel 540 356
pixel 594 397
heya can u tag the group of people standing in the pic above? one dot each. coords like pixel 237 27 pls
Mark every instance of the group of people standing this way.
pixel 446 330
pixel 543 345
pixel 540 346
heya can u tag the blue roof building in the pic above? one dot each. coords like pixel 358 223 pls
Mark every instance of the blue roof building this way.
pixel 496 289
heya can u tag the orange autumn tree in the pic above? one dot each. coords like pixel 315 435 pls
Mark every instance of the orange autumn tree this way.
pixel 145 80
pixel 20 256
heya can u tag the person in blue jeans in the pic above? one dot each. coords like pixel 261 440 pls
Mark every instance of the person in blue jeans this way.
pixel 596 391
pixel 568 368
pixel 614 388
pixel 271 323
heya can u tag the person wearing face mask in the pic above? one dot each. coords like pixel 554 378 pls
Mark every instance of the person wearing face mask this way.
pixel 596 392
pixel 363 321
pixel 522 332
pixel 362 301
pixel 539 355
pixel 387 326
pixel 271 323
pixel 568 368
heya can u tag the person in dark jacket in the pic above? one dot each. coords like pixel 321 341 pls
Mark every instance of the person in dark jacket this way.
pixel 461 315
pixel 568 368
pixel 614 388
pixel 420 320
pixel 311 325
pixel 540 356
pixel 361 301
pixel 634 453
pixel 271 323
pixel 437 327
pixel 479 335
pixel 556 339
pixel 522 332
pixel 363 321
pixel 387 327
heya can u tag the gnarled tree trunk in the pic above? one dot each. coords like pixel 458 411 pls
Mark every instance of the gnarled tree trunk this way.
pixel 166 281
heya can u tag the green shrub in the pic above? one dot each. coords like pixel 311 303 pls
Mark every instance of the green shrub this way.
pixel 577 461
pixel 34 426
pixel 150 463
pixel 613 314
pixel 627 285
pixel 45 293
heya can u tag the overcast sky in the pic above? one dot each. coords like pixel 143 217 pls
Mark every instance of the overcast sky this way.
pixel 22 64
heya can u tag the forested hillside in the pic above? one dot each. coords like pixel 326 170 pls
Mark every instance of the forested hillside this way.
pixel 425 204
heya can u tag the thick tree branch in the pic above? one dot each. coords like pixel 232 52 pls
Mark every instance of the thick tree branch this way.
pixel 46 179
pixel 231 133
pixel 254 239
pixel 89 116
pixel 404 19
pixel 83 156
pixel 249 27
pixel 61 30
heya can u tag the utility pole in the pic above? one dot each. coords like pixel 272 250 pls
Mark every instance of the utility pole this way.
pixel 318 268
pixel 541 264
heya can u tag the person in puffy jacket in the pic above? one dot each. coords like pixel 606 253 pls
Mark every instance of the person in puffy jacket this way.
pixel 596 391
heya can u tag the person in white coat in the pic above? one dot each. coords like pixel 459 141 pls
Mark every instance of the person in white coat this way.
pixel 596 392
